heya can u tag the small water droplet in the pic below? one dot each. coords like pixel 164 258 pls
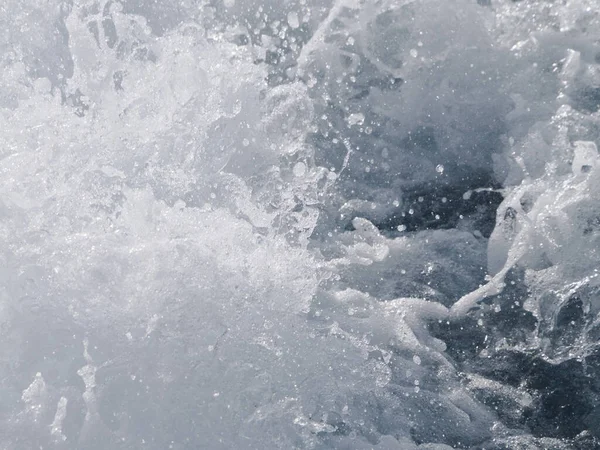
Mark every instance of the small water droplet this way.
pixel 299 169
pixel 293 20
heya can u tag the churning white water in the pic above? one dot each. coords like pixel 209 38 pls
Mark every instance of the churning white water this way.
pixel 300 224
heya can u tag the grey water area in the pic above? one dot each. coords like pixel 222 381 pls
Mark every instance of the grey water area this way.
pixel 300 224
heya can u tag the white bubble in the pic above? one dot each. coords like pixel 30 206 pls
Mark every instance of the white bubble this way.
pixel 414 53
pixel 299 169
pixel 417 360
pixel 439 168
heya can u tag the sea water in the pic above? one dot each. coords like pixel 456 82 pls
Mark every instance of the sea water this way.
pixel 300 224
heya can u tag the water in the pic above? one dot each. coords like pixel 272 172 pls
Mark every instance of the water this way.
pixel 311 224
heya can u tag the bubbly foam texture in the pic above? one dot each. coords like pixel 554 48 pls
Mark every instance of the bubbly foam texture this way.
pixel 255 224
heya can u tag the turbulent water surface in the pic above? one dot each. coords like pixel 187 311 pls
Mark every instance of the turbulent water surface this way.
pixel 300 224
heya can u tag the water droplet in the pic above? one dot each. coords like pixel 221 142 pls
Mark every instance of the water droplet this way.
pixel 299 169
pixel 292 19
pixel 356 119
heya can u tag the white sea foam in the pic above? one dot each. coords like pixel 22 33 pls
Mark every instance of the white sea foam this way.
pixel 243 224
